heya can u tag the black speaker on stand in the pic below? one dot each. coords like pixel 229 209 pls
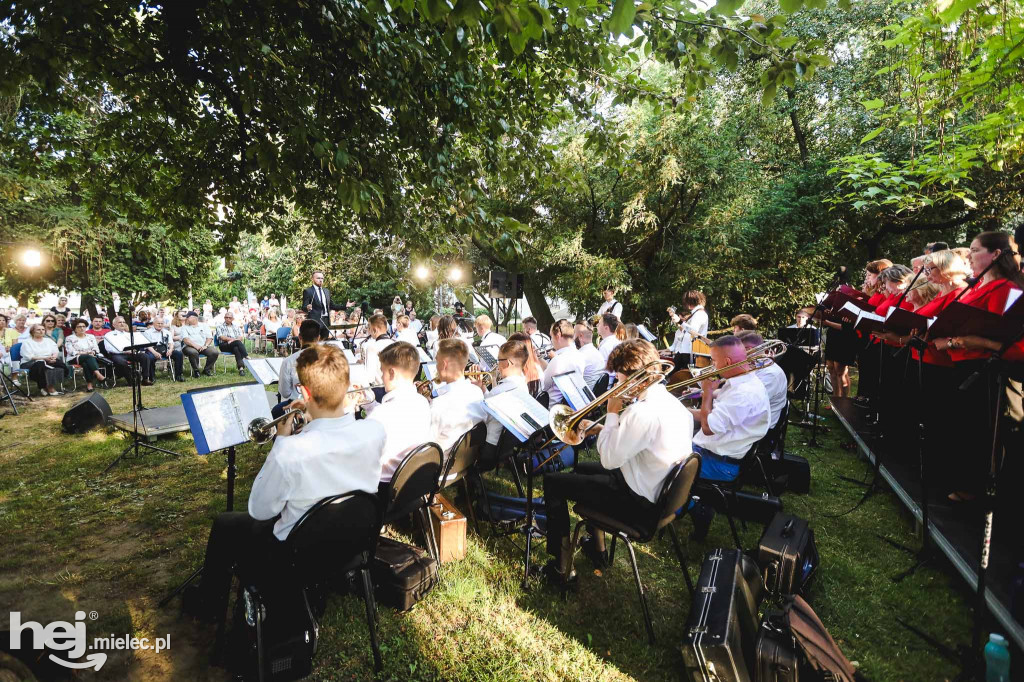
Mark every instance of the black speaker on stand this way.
pixel 86 414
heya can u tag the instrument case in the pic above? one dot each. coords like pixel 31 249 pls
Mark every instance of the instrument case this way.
pixel 787 555
pixel 449 529
pixel 402 574
pixel 722 627
pixel 777 659
pixel 793 473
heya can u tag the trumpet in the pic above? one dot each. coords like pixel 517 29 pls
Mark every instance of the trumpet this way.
pixel 486 377
pixel 260 428
pixel 565 422
pixel 366 390
pixel 759 356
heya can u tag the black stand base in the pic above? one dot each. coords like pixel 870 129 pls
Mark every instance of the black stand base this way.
pixel 134 446
pixel 7 391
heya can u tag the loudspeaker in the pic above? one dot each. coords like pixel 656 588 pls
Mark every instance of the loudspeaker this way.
pixel 519 285
pixel 501 284
pixel 86 414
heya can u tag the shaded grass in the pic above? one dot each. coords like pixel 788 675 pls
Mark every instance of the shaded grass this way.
pixel 75 538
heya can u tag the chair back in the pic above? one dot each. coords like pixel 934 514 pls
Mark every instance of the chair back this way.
pixel 333 532
pixel 544 399
pixel 283 333
pixel 16 352
pixel 601 385
pixel 463 454
pixel 675 491
pixel 414 482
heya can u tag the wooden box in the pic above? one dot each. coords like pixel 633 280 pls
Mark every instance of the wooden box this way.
pixel 450 529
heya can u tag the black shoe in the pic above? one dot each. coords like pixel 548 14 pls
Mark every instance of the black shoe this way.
pixel 241 371
pixel 702 516
pixel 208 373
pixel 598 558
pixel 196 603
pixel 554 577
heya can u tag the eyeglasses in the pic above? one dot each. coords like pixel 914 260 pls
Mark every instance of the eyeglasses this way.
pixel 927 271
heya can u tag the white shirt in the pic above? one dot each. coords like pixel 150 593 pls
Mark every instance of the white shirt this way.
pixel 696 325
pixel 163 336
pixel 494 426
pixel 612 306
pixel 197 333
pixel 456 410
pixel 566 360
pixel 75 346
pixel 271 326
pixel 646 440
pixel 776 385
pixel 328 457
pixel 540 340
pixel 492 340
pixel 594 364
pixel 416 326
pixel 607 345
pixel 740 415
pixel 405 416
pixel 370 352
pixel 432 340
pixel 288 378
pixel 408 335
pixel 116 341
pixel 38 350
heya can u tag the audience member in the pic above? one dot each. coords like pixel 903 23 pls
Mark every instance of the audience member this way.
pixel 196 340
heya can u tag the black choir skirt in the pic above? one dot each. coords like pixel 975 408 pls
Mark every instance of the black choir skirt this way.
pixel 841 346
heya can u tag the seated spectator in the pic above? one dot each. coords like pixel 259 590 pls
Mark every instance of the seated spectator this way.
pixel 98 328
pixel 83 350
pixel 19 332
pixel 164 348
pixel 38 354
pixel 53 331
pixel 117 341
pixel 61 307
pixel 64 324
pixel 271 322
pixel 334 453
pixel 231 339
pixel 196 340
pixel 143 319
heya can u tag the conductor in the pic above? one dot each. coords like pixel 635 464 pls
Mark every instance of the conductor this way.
pixel 316 301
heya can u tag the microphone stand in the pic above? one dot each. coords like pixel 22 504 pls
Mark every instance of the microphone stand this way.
pixel 819 376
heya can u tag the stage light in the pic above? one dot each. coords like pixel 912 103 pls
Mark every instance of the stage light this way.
pixel 31 258
pixel 455 274
pixel 422 272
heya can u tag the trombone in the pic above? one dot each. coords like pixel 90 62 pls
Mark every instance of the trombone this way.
pixel 759 357
pixel 259 430
pixel 565 422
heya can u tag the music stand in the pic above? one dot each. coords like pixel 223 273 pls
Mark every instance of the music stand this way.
pixel 135 379
pixel 6 394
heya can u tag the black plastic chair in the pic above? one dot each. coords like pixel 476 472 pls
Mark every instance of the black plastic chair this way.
pixel 461 459
pixel 412 488
pixel 673 503
pixel 324 544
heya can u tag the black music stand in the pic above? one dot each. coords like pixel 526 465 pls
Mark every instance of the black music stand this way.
pixel 7 394
pixel 135 378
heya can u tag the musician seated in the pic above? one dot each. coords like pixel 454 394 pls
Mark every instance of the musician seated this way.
pixel 742 323
pixel 457 407
pixel 566 358
pixel 638 445
pixel 332 454
pixel 490 340
pixel 512 358
pixel 288 376
pixel 776 384
pixel 371 348
pixel 403 412
pixel 594 362
pixel 117 341
pixel 538 338
pixel 607 325
pixel 404 331
pixel 734 414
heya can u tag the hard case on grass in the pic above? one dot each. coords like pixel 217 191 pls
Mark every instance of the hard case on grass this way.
pixel 793 473
pixel 275 632
pixel 776 653
pixel 449 529
pixel 721 629
pixel 758 508
pixel 787 555
pixel 402 574
pixel 504 508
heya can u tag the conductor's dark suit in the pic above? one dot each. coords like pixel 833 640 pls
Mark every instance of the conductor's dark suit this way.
pixel 320 298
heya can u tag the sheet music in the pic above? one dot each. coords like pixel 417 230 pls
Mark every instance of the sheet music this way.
pixel 487 360
pixel 510 407
pixel 645 333
pixel 424 355
pixel 1011 298
pixel 358 376
pixel 852 309
pixel 350 356
pixel 430 370
pixel 574 389
pixel 222 416
pixel 261 370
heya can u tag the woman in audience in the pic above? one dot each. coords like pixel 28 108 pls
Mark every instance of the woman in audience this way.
pixel 533 370
pixel 19 332
pixel 83 350
pixel 64 325
pixel 53 331
pixel 396 310
pixel 995 261
pixel 272 322
pixel 39 352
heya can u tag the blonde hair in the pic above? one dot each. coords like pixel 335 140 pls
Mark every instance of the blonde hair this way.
pixel 922 294
pixel 484 321
pixel 323 370
pixel 627 332
pixel 951 265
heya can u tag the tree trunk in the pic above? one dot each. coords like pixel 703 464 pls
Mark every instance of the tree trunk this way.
pixel 88 306
pixel 798 131
pixel 538 304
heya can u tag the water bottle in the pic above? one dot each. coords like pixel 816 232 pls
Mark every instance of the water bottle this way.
pixel 997 659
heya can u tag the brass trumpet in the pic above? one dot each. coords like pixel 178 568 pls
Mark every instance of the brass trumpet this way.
pixel 260 428
pixel 368 390
pixel 759 356
pixel 486 377
pixel 565 422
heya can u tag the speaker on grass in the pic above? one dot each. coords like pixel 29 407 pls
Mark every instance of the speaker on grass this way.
pixel 86 414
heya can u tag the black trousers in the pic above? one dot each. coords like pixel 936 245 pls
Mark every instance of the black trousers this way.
pixel 238 348
pixel 681 361
pixel 867 369
pixel 144 360
pixel 37 371
pixel 596 487
pixel 237 539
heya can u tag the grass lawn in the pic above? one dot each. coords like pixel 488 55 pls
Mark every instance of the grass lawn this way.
pixel 75 538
